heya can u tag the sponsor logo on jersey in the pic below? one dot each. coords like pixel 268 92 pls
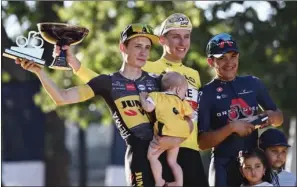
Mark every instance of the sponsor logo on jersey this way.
pixel 120 126
pixel 130 113
pixel 130 87
pixel 141 87
pixel 222 96
pixel 132 104
pixel 245 92
pixel 117 85
pixel 139 179
pixel 238 109
pixel 219 89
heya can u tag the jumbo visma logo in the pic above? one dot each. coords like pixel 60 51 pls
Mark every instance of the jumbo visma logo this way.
pixel 132 104
pixel 131 111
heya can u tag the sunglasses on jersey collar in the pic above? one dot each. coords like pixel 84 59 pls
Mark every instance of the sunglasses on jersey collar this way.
pixel 137 30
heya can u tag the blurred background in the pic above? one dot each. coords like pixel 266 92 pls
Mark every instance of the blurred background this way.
pixel 77 145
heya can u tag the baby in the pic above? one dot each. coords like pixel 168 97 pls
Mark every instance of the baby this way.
pixel 171 110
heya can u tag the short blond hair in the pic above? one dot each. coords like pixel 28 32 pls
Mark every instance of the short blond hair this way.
pixel 172 79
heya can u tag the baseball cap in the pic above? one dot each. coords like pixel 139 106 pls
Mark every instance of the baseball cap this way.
pixel 175 21
pixel 220 44
pixel 272 137
pixel 137 29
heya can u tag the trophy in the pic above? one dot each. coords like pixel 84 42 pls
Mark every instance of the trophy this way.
pixel 28 48
pixel 61 34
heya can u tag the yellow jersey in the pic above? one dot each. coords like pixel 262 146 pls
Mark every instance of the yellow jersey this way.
pixel 170 112
pixel 162 66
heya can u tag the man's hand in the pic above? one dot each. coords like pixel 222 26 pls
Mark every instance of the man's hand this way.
pixel 146 102
pixel 275 118
pixel 70 57
pixel 143 95
pixel 29 65
pixel 242 128
pixel 166 142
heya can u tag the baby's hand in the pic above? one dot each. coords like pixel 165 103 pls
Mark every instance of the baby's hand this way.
pixel 143 95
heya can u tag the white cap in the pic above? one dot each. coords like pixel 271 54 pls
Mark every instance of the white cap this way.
pixel 174 22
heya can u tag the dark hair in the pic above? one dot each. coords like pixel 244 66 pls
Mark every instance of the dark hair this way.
pixel 126 43
pixel 259 153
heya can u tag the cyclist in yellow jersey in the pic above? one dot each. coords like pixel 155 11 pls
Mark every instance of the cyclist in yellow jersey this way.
pixel 175 37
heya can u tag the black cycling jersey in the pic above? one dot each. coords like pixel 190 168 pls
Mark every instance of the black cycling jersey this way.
pixel 122 96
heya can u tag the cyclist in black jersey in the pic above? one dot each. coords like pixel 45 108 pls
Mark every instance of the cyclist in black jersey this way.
pixel 120 90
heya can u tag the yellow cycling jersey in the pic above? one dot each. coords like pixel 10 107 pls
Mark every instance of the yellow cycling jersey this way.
pixel 162 66
pixel 170 112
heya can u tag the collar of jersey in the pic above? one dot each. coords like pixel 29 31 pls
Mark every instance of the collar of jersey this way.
pixel 170 63
pixel 224 82
pixel 171 93
pixel 143 73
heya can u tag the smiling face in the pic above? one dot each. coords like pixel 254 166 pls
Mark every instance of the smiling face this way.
pixel 226 66
pixel 136 52
pixel 277 156
pixel 176 44
pixel 253 170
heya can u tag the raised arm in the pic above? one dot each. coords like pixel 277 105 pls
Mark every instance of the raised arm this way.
pixel 59 96
pixel 146 102
pixel 82 72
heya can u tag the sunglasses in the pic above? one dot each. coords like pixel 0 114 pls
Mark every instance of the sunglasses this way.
pixel 141 28
pixel 221 37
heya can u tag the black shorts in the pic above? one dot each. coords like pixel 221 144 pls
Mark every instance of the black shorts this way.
pixel 137 167
pixel 191 164
pixel 224 171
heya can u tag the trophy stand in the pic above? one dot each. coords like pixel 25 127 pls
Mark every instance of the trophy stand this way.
pixel 29 48
pixel 60 62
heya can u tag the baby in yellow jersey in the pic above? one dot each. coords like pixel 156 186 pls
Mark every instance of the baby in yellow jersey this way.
pixel 171 110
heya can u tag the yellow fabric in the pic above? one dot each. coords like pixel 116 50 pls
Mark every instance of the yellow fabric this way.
pixel 85 74
pixel 131 111
pixel 163 65
pixel 188 110
pixel 171 110
pixel 85 92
